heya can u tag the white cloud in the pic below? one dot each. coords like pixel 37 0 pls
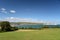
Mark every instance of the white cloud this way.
pixel 3 9
pixel 12 11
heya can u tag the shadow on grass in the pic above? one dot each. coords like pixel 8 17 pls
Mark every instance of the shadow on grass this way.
pixel 7 31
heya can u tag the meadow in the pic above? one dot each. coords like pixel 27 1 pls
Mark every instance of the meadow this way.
pixel 43 34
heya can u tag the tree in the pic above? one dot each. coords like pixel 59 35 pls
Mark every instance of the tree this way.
pixel 5 26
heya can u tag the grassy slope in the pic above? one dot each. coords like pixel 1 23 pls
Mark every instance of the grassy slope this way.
pixel 44 34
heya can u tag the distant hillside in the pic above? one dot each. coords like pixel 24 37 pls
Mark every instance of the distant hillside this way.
pixel 26 23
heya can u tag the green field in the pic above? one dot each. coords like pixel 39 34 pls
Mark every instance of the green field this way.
pixel 43 34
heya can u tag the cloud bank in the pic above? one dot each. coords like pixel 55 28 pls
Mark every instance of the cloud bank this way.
pixel 14 19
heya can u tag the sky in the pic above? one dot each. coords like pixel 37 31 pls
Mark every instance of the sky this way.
pixel 30 11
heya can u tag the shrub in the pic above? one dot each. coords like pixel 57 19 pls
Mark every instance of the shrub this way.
pixel 14 28
pixel 45 26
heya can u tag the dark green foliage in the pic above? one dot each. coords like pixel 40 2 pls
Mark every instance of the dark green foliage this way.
pixel 46 26
pixel 14 28
pixel 22 27
pixel 5 26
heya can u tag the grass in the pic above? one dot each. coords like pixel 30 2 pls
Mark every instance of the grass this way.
pixel 43 34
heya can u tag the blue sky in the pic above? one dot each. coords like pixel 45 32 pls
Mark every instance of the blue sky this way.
pixel 30 10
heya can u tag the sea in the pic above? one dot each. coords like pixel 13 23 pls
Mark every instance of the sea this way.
pixel 36 26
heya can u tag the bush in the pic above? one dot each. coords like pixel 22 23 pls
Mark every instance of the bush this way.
pixel 14 28
pixel 45 26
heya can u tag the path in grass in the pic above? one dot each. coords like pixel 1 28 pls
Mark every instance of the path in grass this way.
pixel 44 34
